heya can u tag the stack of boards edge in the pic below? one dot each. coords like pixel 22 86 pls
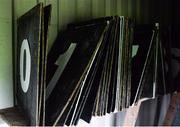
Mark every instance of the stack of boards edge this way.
pixel 32 58
pixel 97 77
pixel 153 79
pixel 94 80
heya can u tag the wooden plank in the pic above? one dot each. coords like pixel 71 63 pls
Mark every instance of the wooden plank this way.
pixel 170 115
pixel 13 117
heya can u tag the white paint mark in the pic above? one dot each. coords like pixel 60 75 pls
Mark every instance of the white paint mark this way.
pixel 25 81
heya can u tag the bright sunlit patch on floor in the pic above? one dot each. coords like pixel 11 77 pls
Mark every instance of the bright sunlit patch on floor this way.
pixel 3 123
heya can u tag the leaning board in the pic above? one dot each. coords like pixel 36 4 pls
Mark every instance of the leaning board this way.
pixel 28 56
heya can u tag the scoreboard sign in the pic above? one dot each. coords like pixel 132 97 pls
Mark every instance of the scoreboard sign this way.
pixel 31 57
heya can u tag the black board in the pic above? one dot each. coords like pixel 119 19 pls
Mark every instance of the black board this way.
pixel 32 58
pixel 74 70
pixel 29 37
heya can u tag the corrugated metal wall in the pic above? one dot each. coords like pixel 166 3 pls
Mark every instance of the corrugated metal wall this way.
pixel 66 11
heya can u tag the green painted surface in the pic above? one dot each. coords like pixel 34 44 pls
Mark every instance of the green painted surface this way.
pixel 22 6
pixel 67 11
pixel 6 84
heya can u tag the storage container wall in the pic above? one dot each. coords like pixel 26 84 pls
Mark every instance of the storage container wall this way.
pixel 6 73
pixel 67 11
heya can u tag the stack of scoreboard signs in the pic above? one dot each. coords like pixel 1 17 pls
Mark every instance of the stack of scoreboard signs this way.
pixel 89 71
pixel 86 73
pixel 32 57
pixel 88 68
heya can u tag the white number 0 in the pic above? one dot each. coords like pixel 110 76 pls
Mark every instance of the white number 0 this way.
pixel 25 81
